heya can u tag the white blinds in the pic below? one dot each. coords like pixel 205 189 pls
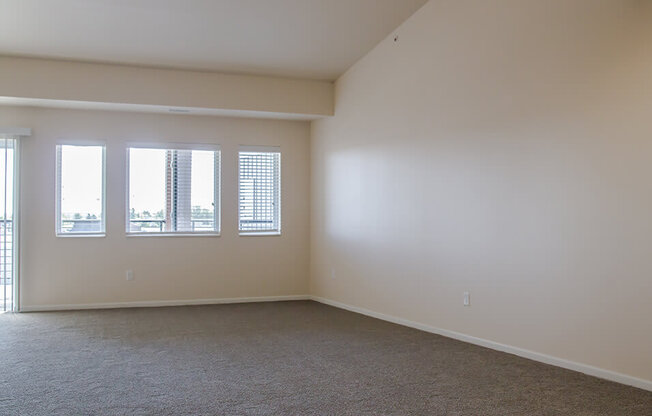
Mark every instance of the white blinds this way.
pixel 173 190
pixel 259 190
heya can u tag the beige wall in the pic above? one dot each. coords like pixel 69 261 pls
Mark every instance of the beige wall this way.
pixel 60 271
pixel 505 148
pixel 46 79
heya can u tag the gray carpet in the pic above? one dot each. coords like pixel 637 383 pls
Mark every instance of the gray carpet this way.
pixel 285 358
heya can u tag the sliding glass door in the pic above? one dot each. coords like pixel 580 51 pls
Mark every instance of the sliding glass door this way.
pixel 8 293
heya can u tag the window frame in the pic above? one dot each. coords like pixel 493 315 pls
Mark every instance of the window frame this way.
pixel 57 187
pixel 261 149
pixel 217 188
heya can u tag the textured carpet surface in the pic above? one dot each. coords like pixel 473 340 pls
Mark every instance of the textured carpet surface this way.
pixel 285 358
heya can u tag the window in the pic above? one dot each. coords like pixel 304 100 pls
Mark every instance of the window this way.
pixel 80 190
pixel 259 190
pixel 173 190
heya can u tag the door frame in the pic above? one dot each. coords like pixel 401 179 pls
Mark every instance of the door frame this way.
pixel 16 133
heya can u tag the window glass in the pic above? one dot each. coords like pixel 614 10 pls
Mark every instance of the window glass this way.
pixel 80 186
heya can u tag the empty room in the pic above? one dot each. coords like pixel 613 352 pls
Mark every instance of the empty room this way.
pixel 326 207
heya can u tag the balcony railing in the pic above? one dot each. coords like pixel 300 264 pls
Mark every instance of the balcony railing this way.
pixel 157 226
pixel 135 225
pixel 6 264
pixel 81 225
pixel 6 252
pixel 146 226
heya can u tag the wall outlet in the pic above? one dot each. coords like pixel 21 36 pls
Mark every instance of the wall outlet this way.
pixel 333 275
pixel 467 299
pixel 129 275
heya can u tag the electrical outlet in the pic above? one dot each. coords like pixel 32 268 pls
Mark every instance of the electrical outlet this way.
pixel 129 275
pixel 333 274
pixel 467 299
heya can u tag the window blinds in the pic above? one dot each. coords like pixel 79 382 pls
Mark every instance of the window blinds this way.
pixel 259 190
pixel 173 190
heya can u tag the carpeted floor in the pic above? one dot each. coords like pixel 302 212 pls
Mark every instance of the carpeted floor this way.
pixel 285 358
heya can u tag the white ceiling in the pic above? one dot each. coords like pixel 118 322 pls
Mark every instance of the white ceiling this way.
pixel 316 39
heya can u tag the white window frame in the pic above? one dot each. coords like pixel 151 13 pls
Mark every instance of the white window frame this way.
pixel 58 221
pixel 217 189
pixel 262 149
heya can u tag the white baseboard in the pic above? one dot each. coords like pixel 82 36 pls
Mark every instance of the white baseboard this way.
pixel 532 355
pixel 158 303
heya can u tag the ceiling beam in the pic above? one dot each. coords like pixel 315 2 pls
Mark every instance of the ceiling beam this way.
pixel 67 81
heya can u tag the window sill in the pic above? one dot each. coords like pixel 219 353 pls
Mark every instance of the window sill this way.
pixel 260 233
pixel 72 235
pixel 173 234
